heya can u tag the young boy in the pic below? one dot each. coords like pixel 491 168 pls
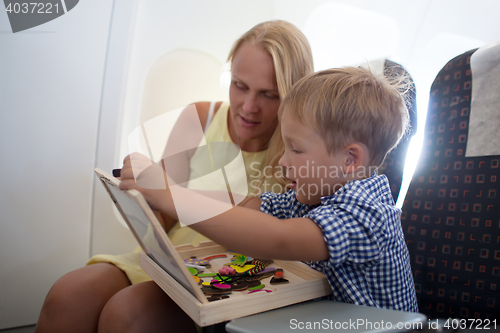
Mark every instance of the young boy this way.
pixel 337 126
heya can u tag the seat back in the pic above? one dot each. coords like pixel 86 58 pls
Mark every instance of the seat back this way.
pixel 451 213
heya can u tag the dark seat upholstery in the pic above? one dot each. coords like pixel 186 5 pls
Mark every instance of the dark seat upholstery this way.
pixel 394 163
pixel 451 213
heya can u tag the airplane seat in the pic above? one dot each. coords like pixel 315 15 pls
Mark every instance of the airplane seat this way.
pixel 451 213
pixel 178 78
pixel 394 163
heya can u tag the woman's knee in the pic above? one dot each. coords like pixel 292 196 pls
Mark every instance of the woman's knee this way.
pixel 143 307
pixel 81 294
pixel 99 280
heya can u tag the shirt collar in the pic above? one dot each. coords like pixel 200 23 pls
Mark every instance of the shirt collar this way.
pixel 326 200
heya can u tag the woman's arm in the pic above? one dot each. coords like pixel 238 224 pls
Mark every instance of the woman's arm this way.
pixel 180 170
pixel 166 221
pixel 184 139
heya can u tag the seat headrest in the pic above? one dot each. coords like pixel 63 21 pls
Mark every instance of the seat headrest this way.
pixel 484 137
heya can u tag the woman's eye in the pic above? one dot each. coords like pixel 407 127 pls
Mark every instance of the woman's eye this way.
pixel 239 85
pixel 271 96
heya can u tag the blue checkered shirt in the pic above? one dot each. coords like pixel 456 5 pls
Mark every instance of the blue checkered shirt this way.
pixel 369 262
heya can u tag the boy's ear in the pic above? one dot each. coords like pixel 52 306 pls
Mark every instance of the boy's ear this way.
pixel 355 157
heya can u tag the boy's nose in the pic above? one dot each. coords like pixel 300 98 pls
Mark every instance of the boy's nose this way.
pixel 282 162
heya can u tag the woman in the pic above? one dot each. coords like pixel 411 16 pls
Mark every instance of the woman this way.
pixel 108 295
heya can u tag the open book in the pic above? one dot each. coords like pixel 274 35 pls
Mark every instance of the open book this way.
pixel 149 233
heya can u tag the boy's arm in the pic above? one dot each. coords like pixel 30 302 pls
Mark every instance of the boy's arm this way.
pixel 142 174
pixel 241 229
pixel 260 235
pixel 246 230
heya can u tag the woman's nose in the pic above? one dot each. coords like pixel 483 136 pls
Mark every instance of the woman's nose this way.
pixel 250 105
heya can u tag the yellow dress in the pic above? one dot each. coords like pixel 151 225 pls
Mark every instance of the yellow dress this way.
pixel 217 132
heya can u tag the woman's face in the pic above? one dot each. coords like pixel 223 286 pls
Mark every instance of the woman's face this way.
pixel 254 98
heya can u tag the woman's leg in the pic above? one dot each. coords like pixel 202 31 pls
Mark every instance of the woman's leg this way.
pixel 143 307
pixel 75 301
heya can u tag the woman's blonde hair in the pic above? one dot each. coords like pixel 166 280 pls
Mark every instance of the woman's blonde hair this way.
pixel 292 58
pixel 350 104
pixel 287 45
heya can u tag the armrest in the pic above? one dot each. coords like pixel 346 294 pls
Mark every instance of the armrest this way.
pixel 329 315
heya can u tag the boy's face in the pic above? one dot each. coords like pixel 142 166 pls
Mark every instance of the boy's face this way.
pixel 313 172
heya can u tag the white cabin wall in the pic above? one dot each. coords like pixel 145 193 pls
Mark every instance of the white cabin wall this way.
pixel 108 232
pixel 51 79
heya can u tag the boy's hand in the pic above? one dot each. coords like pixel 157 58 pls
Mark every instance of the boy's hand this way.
pixel 141 174
pixel 138 171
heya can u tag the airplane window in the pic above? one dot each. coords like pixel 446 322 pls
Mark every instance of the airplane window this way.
pixel 339 35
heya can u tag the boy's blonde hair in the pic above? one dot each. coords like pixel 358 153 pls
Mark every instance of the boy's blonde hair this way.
pixel 350 104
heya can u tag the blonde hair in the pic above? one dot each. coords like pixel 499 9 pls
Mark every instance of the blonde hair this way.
pixel 292 59
pixel 351 104
pixel 287 45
